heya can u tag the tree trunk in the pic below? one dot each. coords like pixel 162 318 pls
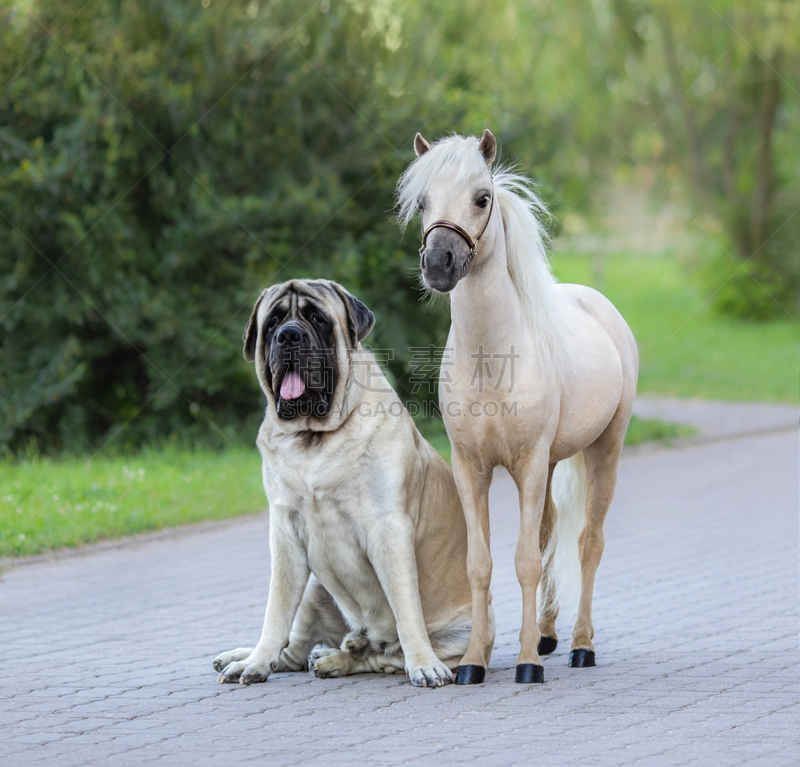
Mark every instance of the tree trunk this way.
pixel 696 164
pixel 762 191
pixel 729 160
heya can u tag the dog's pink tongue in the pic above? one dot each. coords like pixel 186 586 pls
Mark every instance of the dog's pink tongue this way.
pixel 292 386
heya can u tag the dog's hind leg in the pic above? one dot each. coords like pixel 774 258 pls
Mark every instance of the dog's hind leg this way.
pixel 327 663
pixel 452 640
pixel 318 621
pixel 357 656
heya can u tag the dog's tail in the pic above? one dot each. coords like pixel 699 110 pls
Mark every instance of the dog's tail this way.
pixel 560 585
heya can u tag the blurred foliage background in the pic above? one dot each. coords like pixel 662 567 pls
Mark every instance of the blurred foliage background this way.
pixel 163 160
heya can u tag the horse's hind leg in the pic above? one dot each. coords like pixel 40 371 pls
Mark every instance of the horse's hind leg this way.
pixel 548 598
pixel 602 460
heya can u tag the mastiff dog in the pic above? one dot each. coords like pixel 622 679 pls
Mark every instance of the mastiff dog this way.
pixel 367 535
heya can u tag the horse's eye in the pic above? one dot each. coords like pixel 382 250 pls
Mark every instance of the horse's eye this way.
pixel 420 207
pixel 483 201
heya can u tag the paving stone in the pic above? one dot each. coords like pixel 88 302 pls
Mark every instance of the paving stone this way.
pixel 695 613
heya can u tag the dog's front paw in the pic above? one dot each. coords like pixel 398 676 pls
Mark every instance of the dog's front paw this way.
pixel 324 663
pixel 429 672
pixel 226 658
pixel 247 672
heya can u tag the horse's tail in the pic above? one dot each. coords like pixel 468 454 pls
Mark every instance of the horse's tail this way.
pixel 561 567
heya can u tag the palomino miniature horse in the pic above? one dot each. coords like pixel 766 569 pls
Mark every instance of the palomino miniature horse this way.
pixel 543 375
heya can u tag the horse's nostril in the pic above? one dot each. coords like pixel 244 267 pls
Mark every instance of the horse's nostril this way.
pixel 448 260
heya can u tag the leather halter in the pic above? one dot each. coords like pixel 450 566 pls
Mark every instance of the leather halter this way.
pixel 473 244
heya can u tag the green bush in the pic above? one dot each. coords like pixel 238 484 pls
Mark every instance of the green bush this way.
pixel 160 164
pixel 765 286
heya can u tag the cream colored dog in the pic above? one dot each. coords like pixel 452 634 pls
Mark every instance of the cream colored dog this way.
pixel 367 534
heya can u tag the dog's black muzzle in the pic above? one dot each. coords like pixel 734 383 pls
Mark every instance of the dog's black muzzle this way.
pixel 292 351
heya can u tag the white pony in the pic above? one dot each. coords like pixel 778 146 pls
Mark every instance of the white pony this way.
pixel 541 375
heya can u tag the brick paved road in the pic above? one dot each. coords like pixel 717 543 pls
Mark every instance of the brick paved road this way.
pixel 108 656
pixel 717 420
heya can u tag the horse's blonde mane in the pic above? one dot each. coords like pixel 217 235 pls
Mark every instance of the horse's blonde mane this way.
pixel 526 255
pixel 522 211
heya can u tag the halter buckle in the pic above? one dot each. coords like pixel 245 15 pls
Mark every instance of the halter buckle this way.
pixel 473 244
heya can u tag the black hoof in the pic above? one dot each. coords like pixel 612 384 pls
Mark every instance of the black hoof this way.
pixel 529 673
pixel 581 658
pixel 547 645
pixel 470 674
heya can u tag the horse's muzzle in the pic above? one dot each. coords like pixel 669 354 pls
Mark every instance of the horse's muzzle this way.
pixel 443 260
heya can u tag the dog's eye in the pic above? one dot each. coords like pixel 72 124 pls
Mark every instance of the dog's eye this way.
pixel 482 202
pixel 272 323
pixel 315 319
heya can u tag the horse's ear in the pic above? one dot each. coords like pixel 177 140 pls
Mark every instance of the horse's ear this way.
pixel 420 145
pixel 488 147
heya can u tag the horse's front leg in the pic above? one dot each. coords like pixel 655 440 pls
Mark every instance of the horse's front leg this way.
pixel 532 482
pixel 472 481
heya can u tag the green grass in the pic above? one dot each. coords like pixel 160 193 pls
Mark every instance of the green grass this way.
pixel 51 503
pixel 48 503
pixel 686 348
pixel 649 430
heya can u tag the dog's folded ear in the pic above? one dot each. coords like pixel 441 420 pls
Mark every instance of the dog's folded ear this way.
pixel 250 335
pixel 360 320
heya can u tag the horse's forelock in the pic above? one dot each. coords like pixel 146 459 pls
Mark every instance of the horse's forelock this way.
pixel 456 151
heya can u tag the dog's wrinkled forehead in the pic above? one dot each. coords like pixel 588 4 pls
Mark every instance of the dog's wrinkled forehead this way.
pixel 301 300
